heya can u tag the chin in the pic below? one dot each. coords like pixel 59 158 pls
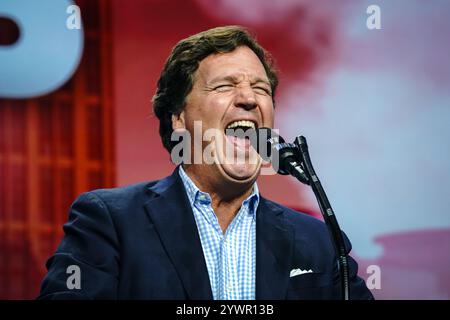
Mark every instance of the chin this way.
pixel 233 171
pixel 244 173
pixel 240 172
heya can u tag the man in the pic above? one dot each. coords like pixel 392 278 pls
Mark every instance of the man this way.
pixel 204 232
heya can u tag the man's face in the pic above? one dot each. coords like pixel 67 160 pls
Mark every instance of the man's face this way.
pixel 231 90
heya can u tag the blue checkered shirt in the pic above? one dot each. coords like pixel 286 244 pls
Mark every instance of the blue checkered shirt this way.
pixel 230 257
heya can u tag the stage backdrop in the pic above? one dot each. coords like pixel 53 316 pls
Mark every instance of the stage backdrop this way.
pixel 373 102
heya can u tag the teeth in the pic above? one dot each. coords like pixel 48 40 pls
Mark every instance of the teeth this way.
pixel 242 123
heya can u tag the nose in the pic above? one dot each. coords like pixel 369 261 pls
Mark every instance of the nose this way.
pixel 246 98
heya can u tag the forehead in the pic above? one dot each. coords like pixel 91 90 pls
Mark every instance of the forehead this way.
pixel 241 62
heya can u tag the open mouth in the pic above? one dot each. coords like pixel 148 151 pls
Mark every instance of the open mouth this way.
pixel 237 157
pixel 240 128
pixel 238 133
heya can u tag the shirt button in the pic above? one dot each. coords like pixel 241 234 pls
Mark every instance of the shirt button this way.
pixel 203 199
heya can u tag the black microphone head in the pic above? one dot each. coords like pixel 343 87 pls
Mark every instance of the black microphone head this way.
pixel 284 157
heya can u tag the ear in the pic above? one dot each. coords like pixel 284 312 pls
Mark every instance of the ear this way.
pixel 178 121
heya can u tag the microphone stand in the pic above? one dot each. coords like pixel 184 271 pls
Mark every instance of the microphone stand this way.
pixel 299 151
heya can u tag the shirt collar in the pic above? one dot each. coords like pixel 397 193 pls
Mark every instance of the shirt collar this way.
pixel 195 195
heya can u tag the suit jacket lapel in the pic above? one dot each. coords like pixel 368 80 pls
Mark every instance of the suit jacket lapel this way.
pixel 274 250
pixel 171 213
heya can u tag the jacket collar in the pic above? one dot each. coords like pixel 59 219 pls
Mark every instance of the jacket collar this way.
pixel 274 251
pixel 172 216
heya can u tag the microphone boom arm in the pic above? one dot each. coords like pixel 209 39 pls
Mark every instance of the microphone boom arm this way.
pixel 328 215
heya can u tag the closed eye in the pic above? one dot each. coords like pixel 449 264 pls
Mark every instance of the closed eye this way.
pixel 262 90
pixel 223 87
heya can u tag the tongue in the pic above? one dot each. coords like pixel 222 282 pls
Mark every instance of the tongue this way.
pixel 240 142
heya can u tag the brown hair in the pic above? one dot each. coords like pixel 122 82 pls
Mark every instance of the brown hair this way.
pixel 177 77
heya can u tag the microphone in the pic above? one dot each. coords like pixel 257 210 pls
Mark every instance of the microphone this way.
pixel 283 156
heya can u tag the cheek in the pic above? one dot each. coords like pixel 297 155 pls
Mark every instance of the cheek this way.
pixel 268 114
pixel 210 112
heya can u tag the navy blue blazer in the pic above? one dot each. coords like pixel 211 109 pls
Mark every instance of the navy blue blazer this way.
pixel 141 242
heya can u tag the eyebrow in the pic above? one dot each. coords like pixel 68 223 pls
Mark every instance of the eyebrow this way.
pixel 235 79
